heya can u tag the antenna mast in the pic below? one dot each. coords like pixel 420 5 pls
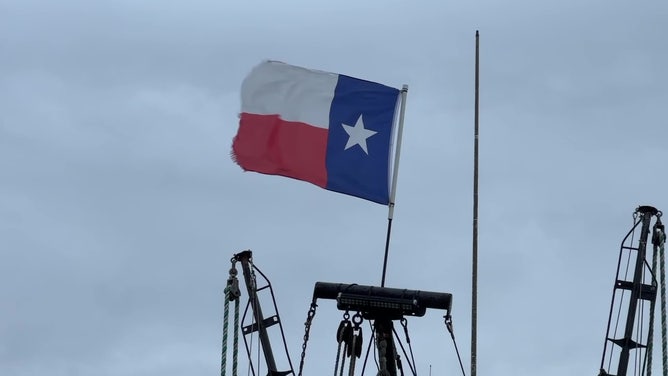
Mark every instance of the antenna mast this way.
pixel 474 274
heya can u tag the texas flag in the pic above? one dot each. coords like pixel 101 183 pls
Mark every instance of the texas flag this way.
pixel 328 129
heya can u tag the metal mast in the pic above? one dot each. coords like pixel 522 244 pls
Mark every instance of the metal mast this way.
pixel 642 286
pixel 474 271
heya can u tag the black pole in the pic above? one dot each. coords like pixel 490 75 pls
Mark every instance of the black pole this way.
pixel 387 250
pixel 474 273
pixel 244 258
pixel 646 212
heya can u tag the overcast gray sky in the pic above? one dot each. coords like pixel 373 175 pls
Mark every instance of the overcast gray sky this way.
pixel 120 206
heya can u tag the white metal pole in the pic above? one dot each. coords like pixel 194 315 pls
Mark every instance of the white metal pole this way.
pixel 395 174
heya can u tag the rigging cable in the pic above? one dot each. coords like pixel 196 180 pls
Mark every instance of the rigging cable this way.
pixel 412 365
pixel 338 350
pixel 638 368
pixel 250 360
pixel 368 348
pixel 249 351
pixel 448 325
pixel 639 330
pixel 259 323
pixel 404 323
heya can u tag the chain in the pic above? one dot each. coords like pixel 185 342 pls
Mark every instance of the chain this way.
pixel 307 330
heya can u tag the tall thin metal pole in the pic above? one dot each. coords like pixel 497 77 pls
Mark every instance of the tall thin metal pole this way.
pixel 395 174
pixel 474 274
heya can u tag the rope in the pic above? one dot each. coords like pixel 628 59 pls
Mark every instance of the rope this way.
pixel 658 240
pixel 226 315
pixel 231 293
pixel 652 305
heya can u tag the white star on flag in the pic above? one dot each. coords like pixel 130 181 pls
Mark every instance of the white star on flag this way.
pixel 357 135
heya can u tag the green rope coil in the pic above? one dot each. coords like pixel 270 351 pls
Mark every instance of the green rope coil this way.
pixel 650 334
pixel 235 346
pixel 226 314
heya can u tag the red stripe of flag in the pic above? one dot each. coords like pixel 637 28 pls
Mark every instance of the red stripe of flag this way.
pixel 267 144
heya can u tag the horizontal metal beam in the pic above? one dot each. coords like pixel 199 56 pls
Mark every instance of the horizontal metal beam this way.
pixel 424 299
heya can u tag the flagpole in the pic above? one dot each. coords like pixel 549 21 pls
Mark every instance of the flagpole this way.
pixel 393 190
pixel 474 274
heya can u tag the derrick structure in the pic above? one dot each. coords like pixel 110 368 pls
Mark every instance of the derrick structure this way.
pixel 628 343
pixel 382 308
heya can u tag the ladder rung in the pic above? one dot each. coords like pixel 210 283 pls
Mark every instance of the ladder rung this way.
pixel 624 343
pixel 269 321
pixel 261 288
pixel 647 292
